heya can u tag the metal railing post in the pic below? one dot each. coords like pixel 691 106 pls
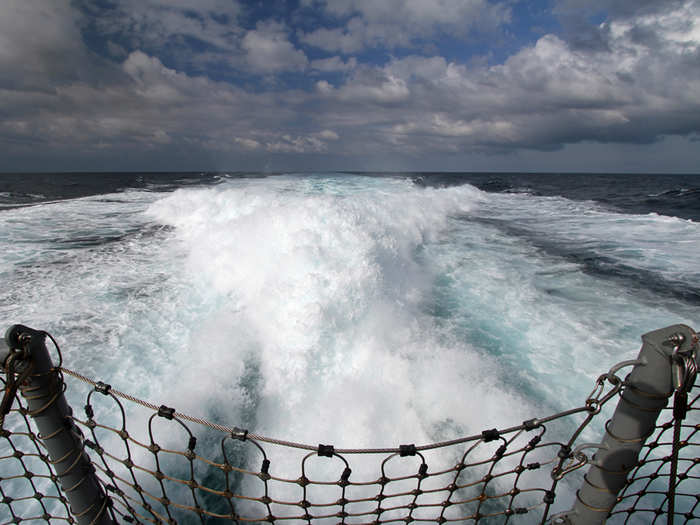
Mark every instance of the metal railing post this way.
pixel 646 393
pixel 46 404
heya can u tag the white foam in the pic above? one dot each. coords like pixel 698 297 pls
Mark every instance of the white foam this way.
pixel 657 243
pixel 324 285
pixel 358 312
pixel 325 289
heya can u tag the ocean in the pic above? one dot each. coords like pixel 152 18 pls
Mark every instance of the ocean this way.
pixel 362 310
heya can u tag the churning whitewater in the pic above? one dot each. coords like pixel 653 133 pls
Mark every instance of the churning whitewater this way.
pixel 354 310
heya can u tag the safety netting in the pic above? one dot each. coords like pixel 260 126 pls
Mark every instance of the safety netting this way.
pixel 157 465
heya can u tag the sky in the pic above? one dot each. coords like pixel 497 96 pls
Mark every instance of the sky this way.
pixel 373 85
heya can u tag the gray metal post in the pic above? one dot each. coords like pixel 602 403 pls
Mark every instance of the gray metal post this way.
pixel 47 405
pixel 649 386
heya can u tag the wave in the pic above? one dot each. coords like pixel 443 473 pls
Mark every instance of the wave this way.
pixel 321 283
pixel 356 311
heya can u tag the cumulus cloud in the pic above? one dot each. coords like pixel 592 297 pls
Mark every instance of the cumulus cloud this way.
pixel 369 86
pixel 151 106
pixel 639 83
pixel 269 49
pixel 149 72
pixel 550 94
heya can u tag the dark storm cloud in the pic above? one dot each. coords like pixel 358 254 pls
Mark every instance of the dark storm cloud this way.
pixel 36 48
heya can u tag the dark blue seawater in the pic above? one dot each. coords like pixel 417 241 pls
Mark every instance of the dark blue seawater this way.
pixel 29 188
pixel 672 195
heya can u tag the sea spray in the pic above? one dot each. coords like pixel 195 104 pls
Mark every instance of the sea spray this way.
pixel 327 292
pixel 356 311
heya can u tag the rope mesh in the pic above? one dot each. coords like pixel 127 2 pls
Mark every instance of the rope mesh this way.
pixel 645 496
pixel 154 473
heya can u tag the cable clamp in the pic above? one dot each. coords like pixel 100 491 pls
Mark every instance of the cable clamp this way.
pixel 549 497
pixel 326 451
pixel 407 450
pixel 166 412
pixel 531 424
pixel 239 433
pixel 102 388
pixel 490 435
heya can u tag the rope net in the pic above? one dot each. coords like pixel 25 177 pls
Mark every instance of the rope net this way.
pixel 645 497
pixel 154 469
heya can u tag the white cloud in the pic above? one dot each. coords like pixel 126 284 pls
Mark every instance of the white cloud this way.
pixel 642 84
pixel 378 87
pixel 351 38
pixel 546 95
pixel 154 81
pixel 328 134
pixel 391 90
pixel 448 13
pixel 554 75
pixel 146 107
pixel 323 87
pixel 248 144
pixel 334 64
pixel 477 132
pixel 269 50
pixel 297 144
pixel 398 23
pixel 158 22
pixel 485 130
